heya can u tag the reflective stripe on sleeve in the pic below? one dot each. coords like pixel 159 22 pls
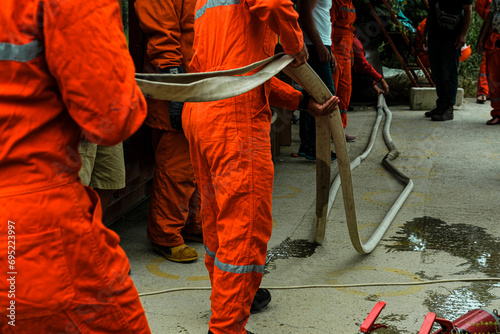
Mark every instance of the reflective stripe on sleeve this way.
pixel 214 3
pixel 22 53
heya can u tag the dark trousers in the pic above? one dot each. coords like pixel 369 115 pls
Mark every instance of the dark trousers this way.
pixel 443 56
pixel 307 124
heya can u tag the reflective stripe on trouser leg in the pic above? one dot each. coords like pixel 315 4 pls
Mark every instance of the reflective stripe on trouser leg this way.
pixel 493 72
pixel 230 149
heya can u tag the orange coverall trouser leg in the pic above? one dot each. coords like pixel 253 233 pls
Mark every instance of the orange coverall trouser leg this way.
pixel 493 75
pixel 482 82
pixel 71 276
pixel 175 200
pixel 231 154
pixel 342 76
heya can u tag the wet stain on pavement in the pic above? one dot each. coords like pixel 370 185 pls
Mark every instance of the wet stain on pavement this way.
pixel 289 248
pixel 391 329
pixel 473 244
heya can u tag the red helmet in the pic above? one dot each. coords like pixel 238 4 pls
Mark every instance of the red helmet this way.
pixel 465 53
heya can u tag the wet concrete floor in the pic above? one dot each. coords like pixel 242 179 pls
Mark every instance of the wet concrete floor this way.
pixel 446 229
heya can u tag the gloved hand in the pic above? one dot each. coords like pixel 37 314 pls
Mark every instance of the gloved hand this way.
pixel 175 109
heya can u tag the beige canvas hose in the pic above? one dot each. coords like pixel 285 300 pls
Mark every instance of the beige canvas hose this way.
pixel 210 86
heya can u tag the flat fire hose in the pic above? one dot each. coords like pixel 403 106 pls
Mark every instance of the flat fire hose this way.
pixel 211 86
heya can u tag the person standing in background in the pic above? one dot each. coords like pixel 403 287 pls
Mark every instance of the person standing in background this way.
pixel 343 15
pixel 489 44
pixel 444 36
pixel 174 212
pixel 482 7
pixel 314 18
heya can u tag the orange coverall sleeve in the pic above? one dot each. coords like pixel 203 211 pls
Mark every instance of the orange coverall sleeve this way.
pixel 280 16
pixel 333 17
pixel 284 95
pixel 169 25
pixel 482 7
pixel 75 49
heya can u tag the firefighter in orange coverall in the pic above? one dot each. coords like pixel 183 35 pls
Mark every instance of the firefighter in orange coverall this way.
pixel 230 148
pixel 489 43
pixel 343 15
pixel 174 212
pixel 63 72
pixel 482 7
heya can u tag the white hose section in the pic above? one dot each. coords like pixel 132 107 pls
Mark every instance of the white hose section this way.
pixel 389 217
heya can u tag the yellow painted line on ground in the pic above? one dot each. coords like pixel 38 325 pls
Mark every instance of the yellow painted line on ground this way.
pixel 294 192
pixel 368 197
pixel 154 268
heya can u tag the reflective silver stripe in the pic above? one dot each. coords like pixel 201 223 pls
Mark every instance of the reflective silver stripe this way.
pixel 495 100
pixel 214 3
pixel 22 53
pixel 343 111
pixel 482 74
pixel 209 252
pixel 231 268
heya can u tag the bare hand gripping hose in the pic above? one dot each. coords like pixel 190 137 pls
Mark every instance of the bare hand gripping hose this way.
pixel 210 86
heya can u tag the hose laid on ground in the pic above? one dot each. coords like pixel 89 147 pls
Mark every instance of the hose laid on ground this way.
pixel 210 86
pixel 393 154
pixel 333 286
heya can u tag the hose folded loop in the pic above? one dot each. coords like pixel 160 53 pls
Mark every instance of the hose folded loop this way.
pixel 211 86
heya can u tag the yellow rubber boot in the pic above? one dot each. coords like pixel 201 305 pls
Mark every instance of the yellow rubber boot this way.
pixel 182 253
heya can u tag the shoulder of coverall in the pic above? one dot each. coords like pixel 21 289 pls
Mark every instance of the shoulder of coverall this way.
pixel 87 53
pixel 282 19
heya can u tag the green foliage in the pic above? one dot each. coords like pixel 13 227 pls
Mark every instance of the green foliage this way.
pixel 416 11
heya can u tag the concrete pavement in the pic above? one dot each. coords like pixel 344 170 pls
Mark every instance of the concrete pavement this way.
pixel 447 229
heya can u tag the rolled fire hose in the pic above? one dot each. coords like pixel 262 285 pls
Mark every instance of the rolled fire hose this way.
pixel 211 86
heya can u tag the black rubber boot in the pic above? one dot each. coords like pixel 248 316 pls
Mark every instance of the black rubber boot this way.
pixel 261 299
pixel 436 110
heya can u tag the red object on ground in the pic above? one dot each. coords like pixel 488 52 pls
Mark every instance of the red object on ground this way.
pixel 369 325
pixel 475 321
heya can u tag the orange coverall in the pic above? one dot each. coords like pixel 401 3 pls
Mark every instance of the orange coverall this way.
pixel 492 55
pixel 63 71
pixel 343 15
pixel 482 7
pixel 230 149
pixel 419 36
pixel 175 200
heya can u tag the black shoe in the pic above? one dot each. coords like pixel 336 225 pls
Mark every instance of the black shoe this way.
pixel 302 150
pixel 436 110
pixel 311 155
pixel 261 299
pixel 445 115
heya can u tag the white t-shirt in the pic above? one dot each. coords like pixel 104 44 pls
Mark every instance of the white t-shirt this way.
pixel 321 15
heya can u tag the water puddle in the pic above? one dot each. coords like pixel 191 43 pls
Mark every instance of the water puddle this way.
pixel 477 248
pixel 289 248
